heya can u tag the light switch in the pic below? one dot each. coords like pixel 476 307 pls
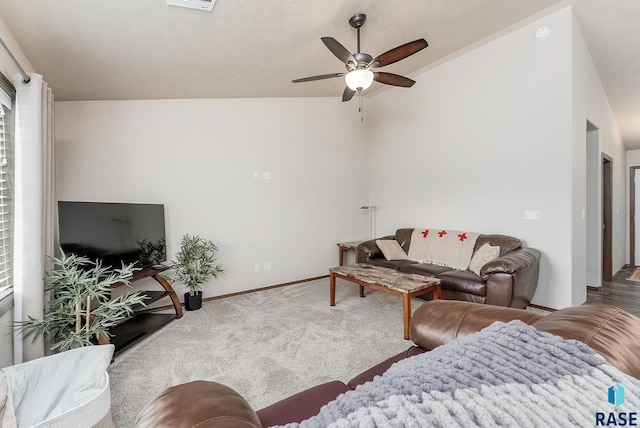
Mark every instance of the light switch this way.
pixel 532 215
pixel 266 175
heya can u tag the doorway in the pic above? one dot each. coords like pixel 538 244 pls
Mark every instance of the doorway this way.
pixel 634 175
pixel 607 205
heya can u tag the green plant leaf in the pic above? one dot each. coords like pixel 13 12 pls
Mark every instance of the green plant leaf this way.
pixel 73 281
pixel 195 263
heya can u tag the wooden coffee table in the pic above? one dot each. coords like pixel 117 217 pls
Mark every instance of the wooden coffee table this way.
pixel 387 280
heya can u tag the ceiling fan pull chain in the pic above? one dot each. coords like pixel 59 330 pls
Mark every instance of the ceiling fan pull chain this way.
pixel 361 106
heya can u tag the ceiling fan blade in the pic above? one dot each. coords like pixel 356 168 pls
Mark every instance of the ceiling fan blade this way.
pixel 393 79
pixel 320 77
pixel 401 52
pixel 338 50
pixel 347 94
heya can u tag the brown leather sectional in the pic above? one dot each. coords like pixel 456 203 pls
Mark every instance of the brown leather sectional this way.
pixel 610 331
pixel 510 280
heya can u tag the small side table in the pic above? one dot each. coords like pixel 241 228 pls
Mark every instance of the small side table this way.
pixel 343 247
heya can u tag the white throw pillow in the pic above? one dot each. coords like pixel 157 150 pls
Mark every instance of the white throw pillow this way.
pixel 484 255
pixel 391 249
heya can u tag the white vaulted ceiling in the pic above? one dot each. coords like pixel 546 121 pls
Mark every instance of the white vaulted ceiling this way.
pixel 144 49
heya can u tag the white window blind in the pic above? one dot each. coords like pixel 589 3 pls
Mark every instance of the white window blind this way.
pixel 6 193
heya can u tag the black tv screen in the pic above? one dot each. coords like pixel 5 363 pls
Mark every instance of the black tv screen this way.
pixel 114 233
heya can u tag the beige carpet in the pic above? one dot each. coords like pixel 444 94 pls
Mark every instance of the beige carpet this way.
pixel 266 345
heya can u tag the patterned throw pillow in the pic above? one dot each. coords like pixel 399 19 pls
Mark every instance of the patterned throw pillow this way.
pixel 484 255
pixel 391 249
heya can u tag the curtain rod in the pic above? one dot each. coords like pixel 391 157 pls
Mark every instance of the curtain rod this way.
pixel 25 76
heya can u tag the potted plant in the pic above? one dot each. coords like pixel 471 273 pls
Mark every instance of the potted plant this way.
pixel 81 309
pixel 194 264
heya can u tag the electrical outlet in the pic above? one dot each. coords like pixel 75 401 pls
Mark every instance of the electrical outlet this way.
pixel 532 215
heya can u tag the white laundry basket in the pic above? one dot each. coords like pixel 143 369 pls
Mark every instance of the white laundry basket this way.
pixel 67 390
pixel 85 415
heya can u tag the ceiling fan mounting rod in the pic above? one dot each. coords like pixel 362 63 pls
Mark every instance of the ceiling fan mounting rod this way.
pixel 357 21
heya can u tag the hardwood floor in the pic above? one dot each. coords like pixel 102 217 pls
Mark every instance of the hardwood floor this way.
pixel 619 292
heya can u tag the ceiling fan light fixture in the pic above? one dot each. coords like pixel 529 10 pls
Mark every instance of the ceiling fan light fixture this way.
pixel 359 80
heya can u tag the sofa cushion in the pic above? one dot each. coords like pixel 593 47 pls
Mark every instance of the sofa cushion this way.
pixel 506 243
pixel 391 249
pixel 302 405
pixel 403 236
pixel 464 281
pixel 426 269
pixel 391 264
pixel 482 256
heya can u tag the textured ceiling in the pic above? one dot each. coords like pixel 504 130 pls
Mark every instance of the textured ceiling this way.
pixel 144 49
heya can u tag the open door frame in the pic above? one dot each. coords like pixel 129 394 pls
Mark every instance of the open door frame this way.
pixel 607 208
pixel 632 215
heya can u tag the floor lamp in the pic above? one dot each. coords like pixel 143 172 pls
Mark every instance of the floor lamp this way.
pixel 372 219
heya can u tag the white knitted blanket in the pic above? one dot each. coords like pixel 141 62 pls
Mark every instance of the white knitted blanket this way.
pixel 506 375
pixel 452 248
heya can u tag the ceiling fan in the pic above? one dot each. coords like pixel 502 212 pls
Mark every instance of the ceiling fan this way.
pixel 359 75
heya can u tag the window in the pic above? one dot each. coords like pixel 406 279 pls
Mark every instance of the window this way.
pixel 7 97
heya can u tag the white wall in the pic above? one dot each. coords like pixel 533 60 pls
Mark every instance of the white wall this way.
pixel 198 157
pixel 633 158
pixel 484 137
pixel 590 104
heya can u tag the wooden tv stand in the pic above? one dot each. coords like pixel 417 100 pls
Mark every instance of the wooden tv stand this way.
pixel 143 322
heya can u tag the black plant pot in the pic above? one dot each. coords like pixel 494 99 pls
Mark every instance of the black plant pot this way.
pixel 193 303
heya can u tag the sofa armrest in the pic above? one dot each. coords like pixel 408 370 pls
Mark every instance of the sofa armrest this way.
pixel 513 278
pixel 610 331
pixel 368 250
pixel 438 322
pixel 512 262
pixel 200 403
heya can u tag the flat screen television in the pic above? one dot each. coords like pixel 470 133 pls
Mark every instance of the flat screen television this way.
pixel 114 233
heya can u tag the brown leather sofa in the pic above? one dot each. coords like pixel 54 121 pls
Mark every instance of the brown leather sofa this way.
pixel 610 331
pixel 509 280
